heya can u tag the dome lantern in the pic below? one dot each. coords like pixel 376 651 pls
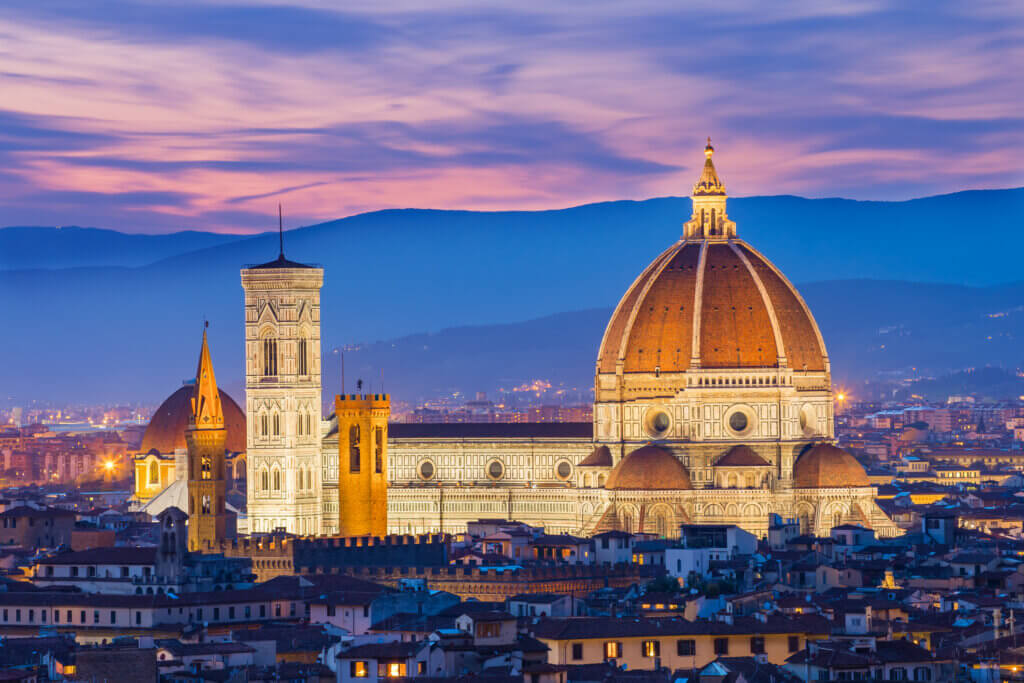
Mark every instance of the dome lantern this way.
pixel 709 219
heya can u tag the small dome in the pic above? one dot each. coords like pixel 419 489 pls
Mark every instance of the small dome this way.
pixel 166 431
pixel 741 456
pixel 825 466
pixel 599 457
pixel 649 468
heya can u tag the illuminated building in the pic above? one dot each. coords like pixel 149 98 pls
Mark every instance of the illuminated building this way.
pixel 713 404
pixel 282 397
pixel 206 434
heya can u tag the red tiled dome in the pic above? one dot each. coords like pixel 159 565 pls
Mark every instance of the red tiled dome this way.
pixel 166 431
pixel 825 466
pixel 649 468
pixel 661 317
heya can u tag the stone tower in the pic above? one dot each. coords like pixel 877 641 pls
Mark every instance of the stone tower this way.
pixel 205 437
pixel 362 464
pixel 282 396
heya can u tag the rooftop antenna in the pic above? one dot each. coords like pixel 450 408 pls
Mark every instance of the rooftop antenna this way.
pixel 280 230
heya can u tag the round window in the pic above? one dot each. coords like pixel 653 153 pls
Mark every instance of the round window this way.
pixel 807 419
pixel 658 422
pixel 426 469
pixel 563 470
pixel 495 470
pixel 738 421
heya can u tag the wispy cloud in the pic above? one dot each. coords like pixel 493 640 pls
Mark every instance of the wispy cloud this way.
pixel 147 116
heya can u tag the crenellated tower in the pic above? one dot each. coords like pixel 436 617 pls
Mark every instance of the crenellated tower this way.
pixel 205 437
pixel 362 464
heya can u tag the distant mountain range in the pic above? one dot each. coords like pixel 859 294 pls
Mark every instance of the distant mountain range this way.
pixel 97 315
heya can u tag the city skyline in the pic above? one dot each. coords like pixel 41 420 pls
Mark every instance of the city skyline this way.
pixel 205 116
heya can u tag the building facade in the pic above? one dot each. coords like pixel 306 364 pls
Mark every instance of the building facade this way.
pixel 713 404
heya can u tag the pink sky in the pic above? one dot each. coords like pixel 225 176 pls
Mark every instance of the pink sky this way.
pixel 134 116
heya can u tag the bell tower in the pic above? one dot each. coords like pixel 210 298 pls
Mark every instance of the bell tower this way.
pixel 205 437
pixel 362 463
pixel 283 395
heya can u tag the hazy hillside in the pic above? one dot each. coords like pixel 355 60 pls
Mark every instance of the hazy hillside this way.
pixel 70 247
pixel 131 331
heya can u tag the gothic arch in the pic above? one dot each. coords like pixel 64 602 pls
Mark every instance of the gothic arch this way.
pixel 713 510
pixel 804 512
pixel 731 510
pixel 628 516
pixel 835 512
pixel 661 520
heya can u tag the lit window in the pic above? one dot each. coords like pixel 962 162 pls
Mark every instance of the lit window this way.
pixel 612 650
pixel 391 670
pixel 359 670
pixel 652 648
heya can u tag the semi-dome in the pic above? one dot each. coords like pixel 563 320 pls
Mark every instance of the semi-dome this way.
pixel 601 456
pixel 166 431
pixel 824 466
pixel 649 468
pixel 741 456
pixel 711 301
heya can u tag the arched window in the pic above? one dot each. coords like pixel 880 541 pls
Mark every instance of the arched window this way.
pixel 264 480
pixel 303 358
pixel 898 674
pixel 205 468
pixel 749 480
pixel 309 479
pixel 206 505
pixel 264 425
pixel 378 450
pixel 276 475
pixel 732 481
pixel 309 423
pixel 154 472
pixel 269 357
pixel 353 448
pixel 277 425
pixel 301 482
pixel 922 673
pixel 837 518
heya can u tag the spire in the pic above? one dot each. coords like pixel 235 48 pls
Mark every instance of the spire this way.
pixel 206 407
pixel 708 184
pixel 280 227
pixel 709 220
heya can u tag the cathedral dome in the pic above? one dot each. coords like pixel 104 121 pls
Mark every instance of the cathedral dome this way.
pixel 649 468
pixel 166 431
pixel 721 304
pixel 710 301
pixel 825 466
